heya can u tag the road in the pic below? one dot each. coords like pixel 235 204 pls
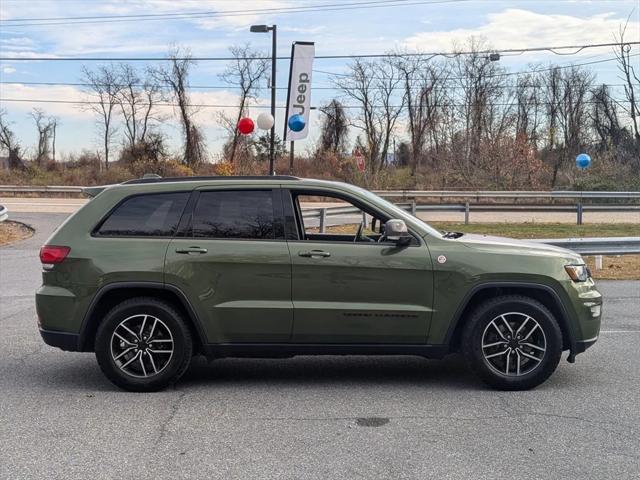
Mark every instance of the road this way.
pixel 70 205
pixel 311 418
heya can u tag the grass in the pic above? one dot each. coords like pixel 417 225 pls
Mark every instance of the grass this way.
pixel 11 232
pixel 619 267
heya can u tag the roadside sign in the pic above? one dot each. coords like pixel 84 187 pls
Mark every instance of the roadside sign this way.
pixel 359 159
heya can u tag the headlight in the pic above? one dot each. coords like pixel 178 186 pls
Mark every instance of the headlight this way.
pixel 578 273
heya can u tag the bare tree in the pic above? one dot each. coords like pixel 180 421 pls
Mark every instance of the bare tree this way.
pixel 245 71
pixel 566 93
pixel 104 89
pixel 373 86
pixel 481 83
pixel 335 128
pixel 426 93
pixel 55 122
pixel 137 99
pixel 9 142
pixel 528 108
pixel 631 84
pixel 176 77
pixel 45 126
pixel 604 118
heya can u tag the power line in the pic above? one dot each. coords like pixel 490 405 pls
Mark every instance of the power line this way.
pixel 190 14
pixel 552 49
pixel 503 74
pixel 208 105
pixel 229 87
pixel 217 14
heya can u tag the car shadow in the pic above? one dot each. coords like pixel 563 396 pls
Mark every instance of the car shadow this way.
pixel 331 370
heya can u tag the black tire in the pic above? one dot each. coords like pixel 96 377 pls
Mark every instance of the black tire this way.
pixel 479 325
pixel 171 320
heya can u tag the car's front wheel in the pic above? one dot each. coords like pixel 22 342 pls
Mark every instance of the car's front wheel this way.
pixel 143 344
pixel 512 342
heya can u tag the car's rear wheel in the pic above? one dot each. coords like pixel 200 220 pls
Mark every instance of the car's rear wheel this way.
pixel 512 342
pixel 143 344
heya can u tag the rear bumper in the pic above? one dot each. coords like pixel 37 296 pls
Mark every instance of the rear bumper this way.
pixel 63 340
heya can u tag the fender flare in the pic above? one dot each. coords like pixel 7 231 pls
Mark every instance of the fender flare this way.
pixel 566 320
pixel 182 297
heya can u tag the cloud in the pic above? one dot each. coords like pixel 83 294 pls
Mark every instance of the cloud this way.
pixel 8 70
pixel 205 116
pixel 17 44
pixel 16 91
pixel 141 37
pixel 516 28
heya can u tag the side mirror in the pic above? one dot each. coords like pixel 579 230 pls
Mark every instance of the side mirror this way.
pixel 396 231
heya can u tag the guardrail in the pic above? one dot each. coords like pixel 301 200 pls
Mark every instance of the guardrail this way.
pixel 466 208
pixel 575 194
pixel 4 213
pixel 596 246
pixel 404 194
pixel 40 189
pixel 579 208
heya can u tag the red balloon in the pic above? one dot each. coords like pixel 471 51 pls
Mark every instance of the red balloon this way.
pixel 246 126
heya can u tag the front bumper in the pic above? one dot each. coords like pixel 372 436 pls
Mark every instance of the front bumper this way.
pixel 582 345
pixel 63 340
pixel 587 303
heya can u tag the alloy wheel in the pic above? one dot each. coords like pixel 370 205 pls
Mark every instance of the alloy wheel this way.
pixel 514 344
pixel 142 346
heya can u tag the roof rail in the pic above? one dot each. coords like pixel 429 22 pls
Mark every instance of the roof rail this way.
pixel 190 179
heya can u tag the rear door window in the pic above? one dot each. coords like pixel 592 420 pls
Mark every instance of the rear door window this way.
pixel 240 214
pixel 154 215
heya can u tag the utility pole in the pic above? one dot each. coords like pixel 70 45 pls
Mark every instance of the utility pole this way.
pixel 274 44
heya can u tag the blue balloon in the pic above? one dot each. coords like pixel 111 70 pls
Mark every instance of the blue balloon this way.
pixel 583 161
pixel 296 123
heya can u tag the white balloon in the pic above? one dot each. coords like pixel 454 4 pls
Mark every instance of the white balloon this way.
pixel 265 121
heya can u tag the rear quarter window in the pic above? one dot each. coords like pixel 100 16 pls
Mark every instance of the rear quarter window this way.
pixel 153 215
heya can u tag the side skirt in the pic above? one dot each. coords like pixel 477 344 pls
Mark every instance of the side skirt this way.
pixel 286 350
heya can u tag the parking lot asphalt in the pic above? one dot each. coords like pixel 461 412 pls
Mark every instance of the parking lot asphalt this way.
pixel 311 418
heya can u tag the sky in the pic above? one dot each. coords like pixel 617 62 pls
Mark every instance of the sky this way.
pixel 336 27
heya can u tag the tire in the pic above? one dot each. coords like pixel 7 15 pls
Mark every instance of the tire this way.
pixel 525 365
pixel 163 351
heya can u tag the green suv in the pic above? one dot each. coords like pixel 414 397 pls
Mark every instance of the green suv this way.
pixel 152 271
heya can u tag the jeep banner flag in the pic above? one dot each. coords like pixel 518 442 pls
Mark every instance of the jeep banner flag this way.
pixel 299 94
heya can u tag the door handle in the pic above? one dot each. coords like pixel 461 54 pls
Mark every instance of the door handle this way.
pixel 314 254
pixel 189 250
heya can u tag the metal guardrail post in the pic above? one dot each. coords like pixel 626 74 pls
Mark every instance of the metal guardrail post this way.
pixel 466 213
pixel 598 262
pixel 323 219
pixel 413 207
pixel 579 213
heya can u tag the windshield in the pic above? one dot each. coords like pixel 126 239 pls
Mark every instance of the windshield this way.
pixel 398 212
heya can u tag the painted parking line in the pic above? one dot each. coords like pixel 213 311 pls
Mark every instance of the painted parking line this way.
pixel 619 331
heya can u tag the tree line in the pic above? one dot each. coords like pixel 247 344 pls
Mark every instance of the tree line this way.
pixel 465 118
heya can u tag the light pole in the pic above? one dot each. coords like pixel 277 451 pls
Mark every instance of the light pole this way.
pixel 273 29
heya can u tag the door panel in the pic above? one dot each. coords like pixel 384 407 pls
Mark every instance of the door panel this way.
pixel 361 293
pixel 349 288
pixel 240 289
pixel 234 265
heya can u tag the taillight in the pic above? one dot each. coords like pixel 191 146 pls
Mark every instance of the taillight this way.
pixel 52 254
